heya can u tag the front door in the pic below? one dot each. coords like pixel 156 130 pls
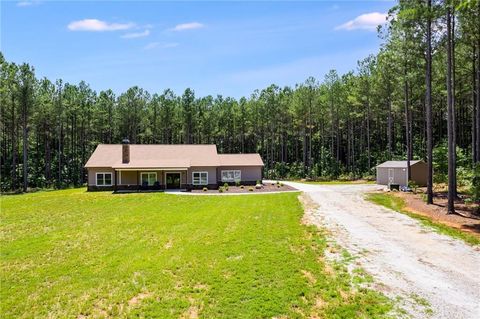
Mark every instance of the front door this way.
pixel 173 180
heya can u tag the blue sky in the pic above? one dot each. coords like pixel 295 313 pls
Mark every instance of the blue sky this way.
pixel 228 48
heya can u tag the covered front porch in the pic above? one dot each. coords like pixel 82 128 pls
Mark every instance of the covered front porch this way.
pixel 150 179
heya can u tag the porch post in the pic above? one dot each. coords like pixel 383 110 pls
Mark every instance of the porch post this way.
pixel 115 187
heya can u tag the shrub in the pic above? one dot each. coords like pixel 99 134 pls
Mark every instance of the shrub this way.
pixel 278 185
pixel 281 184
pixel 205 189
pixel 237 183
pixel 278 182
pixel 242 187
pixel 259 182
pixel 250 189
pixel 220 189
pixel 413 186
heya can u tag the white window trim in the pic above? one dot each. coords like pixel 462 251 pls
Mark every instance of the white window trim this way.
pixel 231 170
pixel 200 183
pixel 96 178
pixel 148 173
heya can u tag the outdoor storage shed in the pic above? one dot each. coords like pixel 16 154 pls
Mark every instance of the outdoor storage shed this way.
pixel 395 172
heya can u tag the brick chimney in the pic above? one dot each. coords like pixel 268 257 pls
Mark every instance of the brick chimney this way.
pixel 125 151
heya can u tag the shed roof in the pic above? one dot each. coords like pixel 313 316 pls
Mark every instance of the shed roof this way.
pixel 398 164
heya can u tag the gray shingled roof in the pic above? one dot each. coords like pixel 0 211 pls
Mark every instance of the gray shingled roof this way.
pixel 398 164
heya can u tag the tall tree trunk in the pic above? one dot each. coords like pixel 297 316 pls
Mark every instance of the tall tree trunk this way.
pixel 477 113
pixel 60 154
pixel 450 123
pixel 407 125
pixel 454 115
pixel 47 157
pixel 389 130
pixel 310 130
pixel 428 102
pixel 304 146
pixel 14 145
pixel 474 107
pixel 368 134
pixel 25 145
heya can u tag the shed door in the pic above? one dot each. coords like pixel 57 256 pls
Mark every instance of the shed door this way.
pixel 391 176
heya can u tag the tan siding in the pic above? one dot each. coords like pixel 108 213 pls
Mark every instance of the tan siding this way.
pixel 249 173
pixel 94 170
pixel 212 174
pixel 129 178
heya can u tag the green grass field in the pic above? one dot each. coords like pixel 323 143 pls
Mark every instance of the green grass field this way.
pixel 398 204
pixel 76 254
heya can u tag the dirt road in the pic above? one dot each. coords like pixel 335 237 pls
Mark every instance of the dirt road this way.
pixel 434 275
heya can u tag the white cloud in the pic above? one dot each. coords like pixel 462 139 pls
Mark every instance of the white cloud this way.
pixel 187 26
pixel 153 45
pixel 98 25
pixel 134 35
pixel 367 21
pixel 27 3
pixel 170 45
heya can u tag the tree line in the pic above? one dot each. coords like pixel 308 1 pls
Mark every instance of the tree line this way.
pixel 418 98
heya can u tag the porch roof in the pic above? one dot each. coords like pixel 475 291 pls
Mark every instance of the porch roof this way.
pixel 154 164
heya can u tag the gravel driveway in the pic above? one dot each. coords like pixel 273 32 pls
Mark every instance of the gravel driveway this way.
pixel 409 260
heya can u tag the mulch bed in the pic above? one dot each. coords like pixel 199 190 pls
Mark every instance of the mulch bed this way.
pixel 267 188
pixel 468 222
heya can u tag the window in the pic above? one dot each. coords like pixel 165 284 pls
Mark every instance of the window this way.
pixel 149 178
pixel 231 175
pixel 200 178
pixel 104 179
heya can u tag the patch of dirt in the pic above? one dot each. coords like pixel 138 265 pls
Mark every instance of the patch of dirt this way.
pixel 192 311
pixel 169 244
pixel 438 212
pixel 309 206
pixel 239 257
pixel 138 298
pixel 320 303
pixel 201 287
pixel 310 277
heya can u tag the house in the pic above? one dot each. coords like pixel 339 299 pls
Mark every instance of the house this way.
pixel 395 172
pixel 159 166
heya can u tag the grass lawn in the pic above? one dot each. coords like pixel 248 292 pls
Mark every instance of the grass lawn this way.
pixel 77 254
pixel 398 204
